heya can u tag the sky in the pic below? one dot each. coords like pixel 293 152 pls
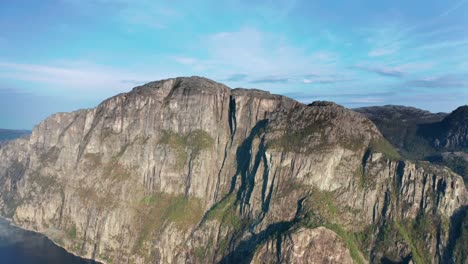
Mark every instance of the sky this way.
pixel 63 55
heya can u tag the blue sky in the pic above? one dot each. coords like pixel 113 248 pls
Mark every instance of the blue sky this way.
pixel 61 55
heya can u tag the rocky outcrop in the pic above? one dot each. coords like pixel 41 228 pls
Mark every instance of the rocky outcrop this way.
pixel 453 130
pixel 189 170
pixel 319 245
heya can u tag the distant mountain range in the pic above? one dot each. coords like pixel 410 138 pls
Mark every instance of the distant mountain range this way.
pixel 421 135
pixel 9 134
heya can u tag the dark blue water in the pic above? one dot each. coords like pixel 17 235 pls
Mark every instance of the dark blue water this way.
pixel 18 246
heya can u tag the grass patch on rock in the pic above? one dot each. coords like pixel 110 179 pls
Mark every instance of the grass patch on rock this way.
pixel 185 145
pixel 153 212
pixel 381 145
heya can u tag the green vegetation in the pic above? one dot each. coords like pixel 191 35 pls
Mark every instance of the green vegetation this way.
pixel 410 232
pixel 386 239
pixel 45 183
pixel 93 160
pixel 91 196
pixel 72 232
pixel 198 140
pixel 184 145
pixel 350 241
pixel 225 213
pixel 116 172
pixel 359 173
pixel 293 140
pixel 288 186
pixel 184 212
pixel 381 145
pixel 323 203
pixel 460 252
pixel 364 238
pixel 412 242
pixel 154 211
pixel 414 132
pixel 177 143
pixel 457 163
pixel 51 156
pixel 323 211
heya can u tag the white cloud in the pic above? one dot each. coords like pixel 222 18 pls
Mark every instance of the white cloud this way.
pixel 262 54
pixel 382 51
pixel 73 76
pixel 366 100
pixel 394 70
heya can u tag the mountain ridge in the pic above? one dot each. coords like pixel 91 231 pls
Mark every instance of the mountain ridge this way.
pixel 187 169
pixel 421 135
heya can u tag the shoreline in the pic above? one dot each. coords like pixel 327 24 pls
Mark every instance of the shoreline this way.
pixel 12 223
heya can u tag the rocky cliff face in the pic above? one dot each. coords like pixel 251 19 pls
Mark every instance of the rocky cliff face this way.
pixel 187 170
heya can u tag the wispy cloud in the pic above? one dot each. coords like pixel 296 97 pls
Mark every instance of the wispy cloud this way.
pixel 341 97
pixel 366 100
pixel 446 81
pixel 73 76
pixel 134 82
pixel 271 79
pixel 325 79
pixel 452 8
pixel 382 51
pixel 382 70
pixel 261 54
pixel 236 77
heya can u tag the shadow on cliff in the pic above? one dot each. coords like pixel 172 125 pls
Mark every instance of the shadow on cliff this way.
pixel 457 234
pixel 244 171
pixel 244 252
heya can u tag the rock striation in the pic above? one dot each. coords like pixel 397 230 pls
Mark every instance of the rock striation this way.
pixel 187 170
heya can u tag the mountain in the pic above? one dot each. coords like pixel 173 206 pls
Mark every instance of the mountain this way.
pixel 420 135
pixel 400 125
pixel 451 133
pixel 9 134
pixel 187 170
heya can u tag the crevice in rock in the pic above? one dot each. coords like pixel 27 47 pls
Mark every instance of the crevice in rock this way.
pixel 220 171
pixel 97 118
pixel 177 83
pixel 232 117
pixel 400 172
pixel 189 176
pixel 88 220
pixel 441 188
pixel 62 205
pixel 421 203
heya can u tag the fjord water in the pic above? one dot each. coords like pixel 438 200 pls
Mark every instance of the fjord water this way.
pixel 18 246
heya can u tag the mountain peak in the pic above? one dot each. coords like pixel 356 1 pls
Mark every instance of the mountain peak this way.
pixel 193 82
pixel 461 113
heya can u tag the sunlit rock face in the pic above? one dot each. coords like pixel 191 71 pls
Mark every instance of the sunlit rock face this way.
pixel 187 170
